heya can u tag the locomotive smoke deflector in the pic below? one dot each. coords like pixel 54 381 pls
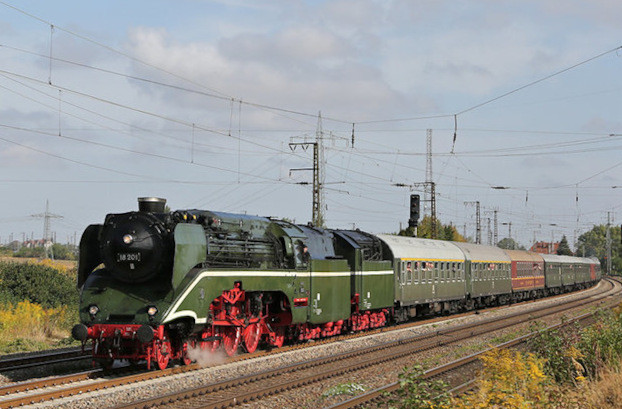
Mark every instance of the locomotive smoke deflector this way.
pixel 151 204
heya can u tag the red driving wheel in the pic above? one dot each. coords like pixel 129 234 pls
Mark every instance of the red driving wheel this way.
pixel 163 353
pixel 231 337
pixel 252 336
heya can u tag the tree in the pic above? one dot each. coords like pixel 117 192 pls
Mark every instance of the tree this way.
pixel 594 244
pixel 564 249
pixel 509 244
pixel 443 232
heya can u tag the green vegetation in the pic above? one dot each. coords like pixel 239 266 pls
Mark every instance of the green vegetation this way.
pixel 443 231
pixel 559 348
pixel 509 244
pixel 566 368
pixel 58 251
pixel 417 392
pixel 564 249
pixel 509 379
pixel 593 244
pixel 38 306
pixel 39 284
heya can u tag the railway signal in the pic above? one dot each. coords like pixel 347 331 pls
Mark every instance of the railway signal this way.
pixel 413 221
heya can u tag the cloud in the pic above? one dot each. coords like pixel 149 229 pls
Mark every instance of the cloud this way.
pixel 303 68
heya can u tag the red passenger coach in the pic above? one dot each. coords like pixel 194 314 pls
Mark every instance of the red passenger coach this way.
pixel 593 271
pixel 527 274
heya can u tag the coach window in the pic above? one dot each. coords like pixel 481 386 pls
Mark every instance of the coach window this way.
pixel 417 272
pixel 403 273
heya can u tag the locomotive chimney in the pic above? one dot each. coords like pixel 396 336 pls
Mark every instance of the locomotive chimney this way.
pixel 151 204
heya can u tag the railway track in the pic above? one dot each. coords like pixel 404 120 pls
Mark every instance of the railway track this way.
pixel 458 374
pixel 19 362
pixel 271 382
pixel 257 386
pixel 26 361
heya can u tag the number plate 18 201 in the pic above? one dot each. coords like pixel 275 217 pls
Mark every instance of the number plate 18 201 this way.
pixel 128 257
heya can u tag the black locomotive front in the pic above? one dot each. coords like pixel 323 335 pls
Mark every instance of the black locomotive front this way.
pixel 134 247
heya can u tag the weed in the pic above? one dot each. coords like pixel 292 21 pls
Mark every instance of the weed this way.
pixel 415 392
pixel 348 388
pixel 509 380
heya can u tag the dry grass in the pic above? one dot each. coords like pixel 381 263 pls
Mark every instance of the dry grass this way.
pixel 603 393
pixel 68 264
pixel 65 267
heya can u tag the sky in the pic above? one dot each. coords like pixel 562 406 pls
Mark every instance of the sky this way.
pixel 198 102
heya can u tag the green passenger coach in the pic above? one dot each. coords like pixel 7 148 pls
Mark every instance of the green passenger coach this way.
pixel 429 274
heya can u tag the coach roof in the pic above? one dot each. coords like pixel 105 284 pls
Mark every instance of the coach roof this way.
pixel 421 249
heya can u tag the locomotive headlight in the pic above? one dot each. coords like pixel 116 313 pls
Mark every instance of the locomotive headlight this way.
pixel 128 239
pixel 93 309
pixel 152 310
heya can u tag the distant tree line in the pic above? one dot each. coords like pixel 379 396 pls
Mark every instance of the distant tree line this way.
pixel 58 252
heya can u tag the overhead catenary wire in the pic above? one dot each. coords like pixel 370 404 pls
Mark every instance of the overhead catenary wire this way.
pixel 310 115
pixel 355 156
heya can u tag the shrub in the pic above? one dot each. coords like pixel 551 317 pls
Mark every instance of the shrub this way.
pixel 559 352
pixel 415 392
pixel 601 343
pixel 509 379
pixel 36 283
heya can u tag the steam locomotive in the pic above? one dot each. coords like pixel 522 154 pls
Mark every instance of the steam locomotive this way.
pixel 156 284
